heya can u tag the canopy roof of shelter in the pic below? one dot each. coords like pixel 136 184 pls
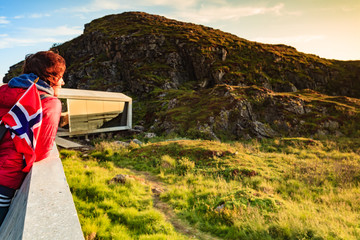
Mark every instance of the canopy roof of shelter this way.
pixel 92 95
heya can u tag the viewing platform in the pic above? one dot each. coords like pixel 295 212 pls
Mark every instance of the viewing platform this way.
pixel 43 208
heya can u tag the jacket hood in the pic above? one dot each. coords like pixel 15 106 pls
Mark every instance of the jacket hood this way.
pixel 25 81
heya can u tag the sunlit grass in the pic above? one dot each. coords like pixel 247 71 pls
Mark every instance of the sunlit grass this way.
pixel 112 210
pixel 293 188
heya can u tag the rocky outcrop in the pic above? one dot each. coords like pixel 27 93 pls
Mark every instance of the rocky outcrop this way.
pixel 136 52
pixel 152 58
pixel 232 112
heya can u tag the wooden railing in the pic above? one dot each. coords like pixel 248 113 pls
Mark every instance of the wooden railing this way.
pixel 43 207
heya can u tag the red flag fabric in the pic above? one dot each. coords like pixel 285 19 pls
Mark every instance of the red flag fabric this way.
pixel 24 121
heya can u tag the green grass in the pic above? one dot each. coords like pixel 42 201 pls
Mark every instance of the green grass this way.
pixel 286 188
pixel 112 211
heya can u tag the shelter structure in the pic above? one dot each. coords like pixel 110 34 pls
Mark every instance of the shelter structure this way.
pixel 87 111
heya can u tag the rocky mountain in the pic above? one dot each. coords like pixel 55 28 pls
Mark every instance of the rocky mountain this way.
pixel 197 81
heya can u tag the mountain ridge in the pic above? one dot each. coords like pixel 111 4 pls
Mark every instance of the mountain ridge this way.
pixel 157 61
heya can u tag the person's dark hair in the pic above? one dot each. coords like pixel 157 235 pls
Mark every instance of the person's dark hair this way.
pixel 47 65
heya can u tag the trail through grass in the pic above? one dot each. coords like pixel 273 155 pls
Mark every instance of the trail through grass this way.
pixel 294 188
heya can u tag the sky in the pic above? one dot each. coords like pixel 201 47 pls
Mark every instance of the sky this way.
pixel 327 28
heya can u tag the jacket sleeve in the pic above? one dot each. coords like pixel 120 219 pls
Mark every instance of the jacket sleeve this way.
pixel 51 115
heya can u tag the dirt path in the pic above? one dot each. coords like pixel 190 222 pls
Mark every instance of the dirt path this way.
pixel 157 187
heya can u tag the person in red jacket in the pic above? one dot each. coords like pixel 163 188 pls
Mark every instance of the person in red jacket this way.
pixel 50 68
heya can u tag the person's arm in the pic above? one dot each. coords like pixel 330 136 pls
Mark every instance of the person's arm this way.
pixel 49 126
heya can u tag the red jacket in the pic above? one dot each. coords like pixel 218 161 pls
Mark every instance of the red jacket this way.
pixel 11 162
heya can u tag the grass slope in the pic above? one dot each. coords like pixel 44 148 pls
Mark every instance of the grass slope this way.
pixel 286 188
pixel 113 211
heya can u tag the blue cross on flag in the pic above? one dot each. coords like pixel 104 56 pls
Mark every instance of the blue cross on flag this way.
pixel 24 121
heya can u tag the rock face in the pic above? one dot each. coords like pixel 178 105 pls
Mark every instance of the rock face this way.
pixel 233 112
pixel 163 63
pixel 137 52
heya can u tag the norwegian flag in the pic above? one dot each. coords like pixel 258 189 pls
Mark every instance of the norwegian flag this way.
pixel 24 121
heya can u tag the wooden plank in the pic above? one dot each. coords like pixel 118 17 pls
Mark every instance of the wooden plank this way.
pixel 62 142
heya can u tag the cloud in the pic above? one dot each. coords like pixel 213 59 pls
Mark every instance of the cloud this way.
pixel 106 4
pixel 99 5
pixel 19 17
pixel 213 13
pixel 39 35
pixel 3 20
pixel 174 3
pixel 350 8
pixel 16 42
pixel 39 15
pixel 237 12
pixel 53 32
pixel 289 39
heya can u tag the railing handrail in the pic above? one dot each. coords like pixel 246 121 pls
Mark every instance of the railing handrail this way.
pixel 43 207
